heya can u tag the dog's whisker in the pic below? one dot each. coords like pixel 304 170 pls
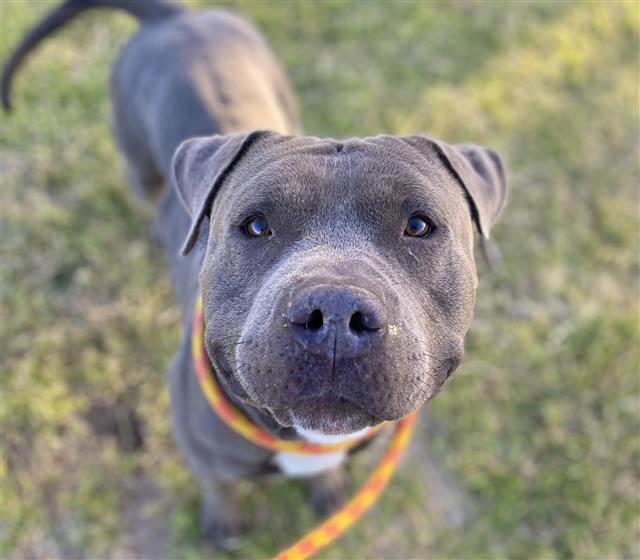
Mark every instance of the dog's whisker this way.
pixel 233 345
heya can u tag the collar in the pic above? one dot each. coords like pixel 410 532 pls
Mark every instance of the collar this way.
pixel 237 420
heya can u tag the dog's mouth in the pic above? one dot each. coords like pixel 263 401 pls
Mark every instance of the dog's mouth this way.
pixel 327 413
pixel 331 415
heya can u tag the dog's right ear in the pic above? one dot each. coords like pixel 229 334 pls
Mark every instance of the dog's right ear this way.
pixel 200 166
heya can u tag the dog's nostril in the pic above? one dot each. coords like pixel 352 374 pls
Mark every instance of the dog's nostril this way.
pixel 356 323
pixel 360 324
pixel 315 321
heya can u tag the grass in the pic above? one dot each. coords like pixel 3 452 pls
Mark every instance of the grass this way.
pixel 538 429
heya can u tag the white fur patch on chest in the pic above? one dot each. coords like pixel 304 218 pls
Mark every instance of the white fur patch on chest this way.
pixel 295 464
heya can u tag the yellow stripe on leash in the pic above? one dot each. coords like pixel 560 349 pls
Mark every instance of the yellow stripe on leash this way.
pixel 328 531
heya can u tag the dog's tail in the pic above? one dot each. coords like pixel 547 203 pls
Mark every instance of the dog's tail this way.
pixel 143 10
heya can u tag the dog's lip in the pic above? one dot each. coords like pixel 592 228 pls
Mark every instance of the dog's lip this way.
pixel 331 414
pixel 323 410
pixel 329 405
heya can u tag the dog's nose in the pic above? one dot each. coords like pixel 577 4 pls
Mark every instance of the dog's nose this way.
pixel 336 321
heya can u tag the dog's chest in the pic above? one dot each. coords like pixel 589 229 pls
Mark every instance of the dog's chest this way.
pixel 295 464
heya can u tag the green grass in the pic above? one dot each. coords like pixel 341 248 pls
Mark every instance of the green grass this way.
pixel 539 428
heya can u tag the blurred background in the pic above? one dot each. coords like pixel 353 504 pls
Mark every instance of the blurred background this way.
pixel 532 450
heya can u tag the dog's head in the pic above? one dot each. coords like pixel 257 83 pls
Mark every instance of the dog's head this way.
pixel 339 277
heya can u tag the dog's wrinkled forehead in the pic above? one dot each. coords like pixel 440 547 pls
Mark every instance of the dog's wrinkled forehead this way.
pixel 331 180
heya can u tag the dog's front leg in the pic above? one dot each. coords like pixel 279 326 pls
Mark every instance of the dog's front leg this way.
pixel 221 518
pixel 328 491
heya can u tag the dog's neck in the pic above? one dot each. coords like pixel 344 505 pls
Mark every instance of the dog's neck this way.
pixel 318 437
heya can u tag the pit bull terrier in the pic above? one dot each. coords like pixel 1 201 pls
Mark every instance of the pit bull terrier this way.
pixel 338 277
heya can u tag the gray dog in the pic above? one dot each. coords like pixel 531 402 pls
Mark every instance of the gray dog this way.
pixel 338 278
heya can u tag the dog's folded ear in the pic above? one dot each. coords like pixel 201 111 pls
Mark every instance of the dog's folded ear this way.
pixel 479 171
pixel 200 165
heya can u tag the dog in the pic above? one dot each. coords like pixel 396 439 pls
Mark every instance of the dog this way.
pixel 338 277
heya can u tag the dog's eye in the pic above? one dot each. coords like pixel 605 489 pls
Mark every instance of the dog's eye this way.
pixel 257 226
pixel 418 226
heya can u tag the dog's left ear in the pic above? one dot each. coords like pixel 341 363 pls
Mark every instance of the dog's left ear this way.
pixel 200 166
pixel 479 171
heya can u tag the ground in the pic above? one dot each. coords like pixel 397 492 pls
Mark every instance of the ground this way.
pixel 531 450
